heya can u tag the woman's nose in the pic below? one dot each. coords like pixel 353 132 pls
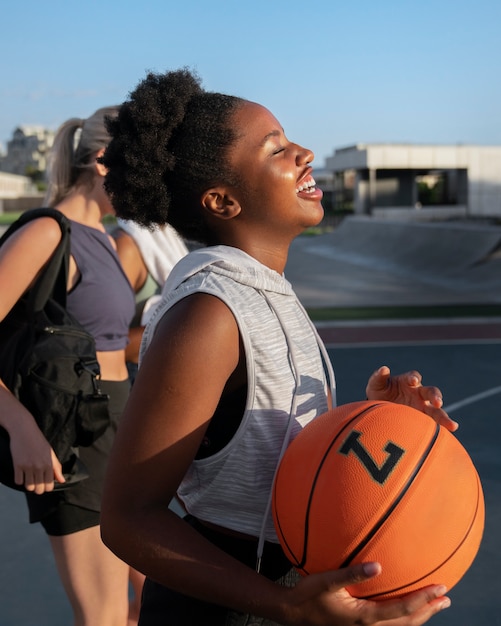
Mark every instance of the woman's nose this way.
pixel 304 155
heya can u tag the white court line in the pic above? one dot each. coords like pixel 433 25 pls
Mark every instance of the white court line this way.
pixel 418 321
pixel 403 343
pixel 472 399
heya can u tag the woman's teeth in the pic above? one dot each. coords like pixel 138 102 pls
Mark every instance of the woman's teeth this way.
pixel 307 187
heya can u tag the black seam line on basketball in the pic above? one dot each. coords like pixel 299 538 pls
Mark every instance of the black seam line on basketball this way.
pixel 317 473
pixel 436 568
pixel 396 501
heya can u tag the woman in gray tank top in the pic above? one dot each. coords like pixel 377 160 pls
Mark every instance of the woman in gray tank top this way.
pixel 231 368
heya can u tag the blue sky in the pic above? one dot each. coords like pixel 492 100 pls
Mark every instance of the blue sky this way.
pixel 334 73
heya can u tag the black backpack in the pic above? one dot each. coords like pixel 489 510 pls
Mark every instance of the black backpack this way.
pixel 48 361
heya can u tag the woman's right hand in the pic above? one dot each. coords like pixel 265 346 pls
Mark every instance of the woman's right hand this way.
pixel 321 599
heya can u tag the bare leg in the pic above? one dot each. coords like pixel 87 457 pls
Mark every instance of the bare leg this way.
pixel 95 580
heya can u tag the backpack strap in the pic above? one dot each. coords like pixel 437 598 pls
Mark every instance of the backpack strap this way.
pixel 53 279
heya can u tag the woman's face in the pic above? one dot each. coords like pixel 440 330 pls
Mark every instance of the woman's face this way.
pixel 277 189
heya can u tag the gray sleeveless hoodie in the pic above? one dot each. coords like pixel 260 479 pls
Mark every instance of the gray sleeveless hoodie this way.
pixel 287 385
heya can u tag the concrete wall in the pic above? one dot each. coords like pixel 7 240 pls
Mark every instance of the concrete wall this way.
pixel 484 181
pixel 18 205
pixel 18 193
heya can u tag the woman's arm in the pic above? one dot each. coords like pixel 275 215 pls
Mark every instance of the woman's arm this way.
pixel 192 358
pixel 22 257
pixel 131 259
pixel 136 271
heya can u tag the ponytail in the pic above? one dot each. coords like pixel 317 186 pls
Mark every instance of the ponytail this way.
pixel 60 170
pixel 76 144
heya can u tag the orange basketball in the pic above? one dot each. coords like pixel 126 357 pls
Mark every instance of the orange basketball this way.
pixel 378 481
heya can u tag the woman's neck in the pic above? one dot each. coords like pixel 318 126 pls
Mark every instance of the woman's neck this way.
pixel 82 208
pixel 272 254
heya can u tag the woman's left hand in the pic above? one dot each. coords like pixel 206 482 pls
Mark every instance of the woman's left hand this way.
pixel 407 389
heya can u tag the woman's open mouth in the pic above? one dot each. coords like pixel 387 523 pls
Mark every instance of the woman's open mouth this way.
pixel 308 188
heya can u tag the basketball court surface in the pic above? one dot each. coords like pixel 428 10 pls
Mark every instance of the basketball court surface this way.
pixel 462 356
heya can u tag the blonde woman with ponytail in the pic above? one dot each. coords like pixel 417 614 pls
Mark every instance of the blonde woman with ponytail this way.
pixel 100 296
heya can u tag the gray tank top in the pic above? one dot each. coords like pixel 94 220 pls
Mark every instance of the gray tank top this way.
pixel 287 385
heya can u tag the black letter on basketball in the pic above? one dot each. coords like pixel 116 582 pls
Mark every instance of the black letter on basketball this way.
pixel 352 444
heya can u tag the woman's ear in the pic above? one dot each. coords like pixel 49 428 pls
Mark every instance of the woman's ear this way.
pixel 220 204
pixel 100 168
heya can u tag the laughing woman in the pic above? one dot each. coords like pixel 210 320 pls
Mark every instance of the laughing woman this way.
pixel 232 369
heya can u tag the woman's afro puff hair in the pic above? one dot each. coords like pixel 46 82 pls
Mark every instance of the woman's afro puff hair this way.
pixel 168 145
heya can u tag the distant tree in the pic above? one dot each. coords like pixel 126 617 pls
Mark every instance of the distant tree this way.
pixel 37 176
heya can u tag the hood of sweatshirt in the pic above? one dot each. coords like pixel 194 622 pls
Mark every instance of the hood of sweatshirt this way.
pixel 228 261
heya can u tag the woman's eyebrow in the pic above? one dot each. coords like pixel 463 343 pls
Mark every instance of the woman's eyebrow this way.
pixel 274 133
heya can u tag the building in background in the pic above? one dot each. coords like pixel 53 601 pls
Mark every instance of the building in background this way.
pixel 22 169
pixel 27 151
pixel 408 181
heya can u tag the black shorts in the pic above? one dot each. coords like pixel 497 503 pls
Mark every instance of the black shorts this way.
pixel 69 518
pixel 69 510
pixel 161 605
